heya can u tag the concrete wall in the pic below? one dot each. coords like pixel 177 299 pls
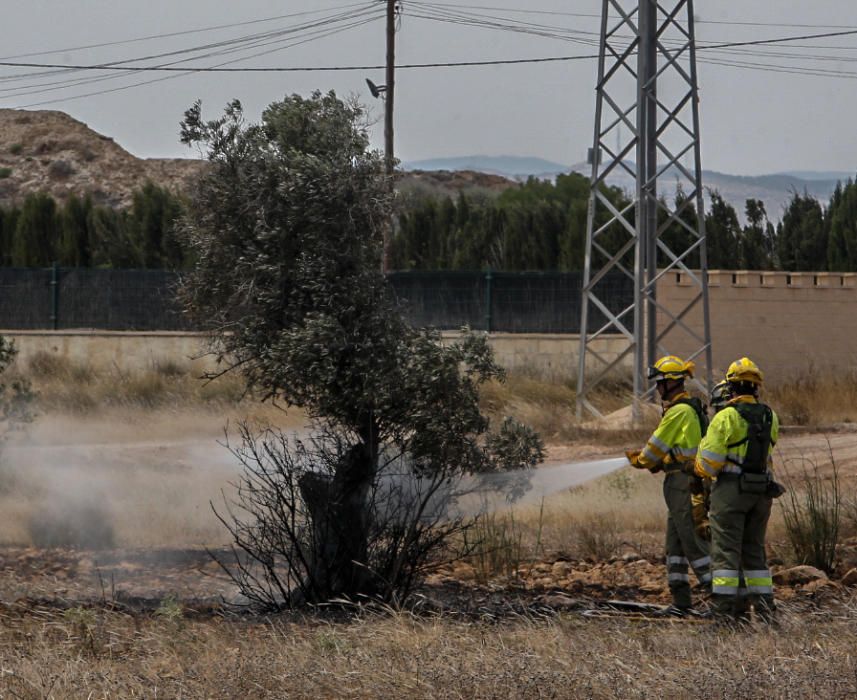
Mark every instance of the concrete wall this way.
pixel 553 356
pixel 123 350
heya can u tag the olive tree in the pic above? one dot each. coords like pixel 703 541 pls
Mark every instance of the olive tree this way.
pixel 286 230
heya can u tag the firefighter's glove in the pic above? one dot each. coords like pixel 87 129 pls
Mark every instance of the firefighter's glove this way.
pixel 688 468
pixel 634 458
pixel 697 487
pixel 775 490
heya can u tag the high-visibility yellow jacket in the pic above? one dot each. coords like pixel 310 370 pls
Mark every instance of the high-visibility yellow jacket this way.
pixel 728 428
pixel 677 435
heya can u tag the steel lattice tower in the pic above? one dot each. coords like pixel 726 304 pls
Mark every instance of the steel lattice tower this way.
pixel 647 109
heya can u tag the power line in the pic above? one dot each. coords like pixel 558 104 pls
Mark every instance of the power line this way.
pixel 781 40
pixel 187 70
pixel 180 72
pixel 598 16
pixel 320 32
pixel 299 69
pixel 246 39
pixel 185 32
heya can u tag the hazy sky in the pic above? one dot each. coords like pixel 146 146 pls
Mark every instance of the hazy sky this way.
pixel 753 121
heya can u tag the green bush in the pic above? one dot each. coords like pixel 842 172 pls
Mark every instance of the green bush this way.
pixel 5 172
pixel 16 148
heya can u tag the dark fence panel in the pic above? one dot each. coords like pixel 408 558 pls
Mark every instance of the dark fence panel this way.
pixel 127 300
pixel 25 298
pixel 144 300
pixel 133 300
pixel 512 302
pixel 443 300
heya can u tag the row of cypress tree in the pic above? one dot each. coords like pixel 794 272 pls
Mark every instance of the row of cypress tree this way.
pixel 542 226
pixel 538 226
pixel 79 233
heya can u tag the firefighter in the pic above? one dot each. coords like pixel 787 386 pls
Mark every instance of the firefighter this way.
pixel 736 454
pixel 720 396
pixel 672 449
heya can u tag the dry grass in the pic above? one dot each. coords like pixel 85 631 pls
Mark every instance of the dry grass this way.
pixel 77 387
pixel 815 399
pixel 549 406
pixel 623 510
pixel 90 653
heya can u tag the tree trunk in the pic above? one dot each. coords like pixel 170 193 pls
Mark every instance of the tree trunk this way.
pixel 340 511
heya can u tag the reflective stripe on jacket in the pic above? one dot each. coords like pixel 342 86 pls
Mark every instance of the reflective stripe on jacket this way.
pixel 678 434
pixel 727 428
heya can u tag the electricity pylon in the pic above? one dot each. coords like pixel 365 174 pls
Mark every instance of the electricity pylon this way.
pixel 647 90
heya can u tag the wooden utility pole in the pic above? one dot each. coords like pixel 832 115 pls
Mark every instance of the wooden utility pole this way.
pixel 389 87
pixel 389 93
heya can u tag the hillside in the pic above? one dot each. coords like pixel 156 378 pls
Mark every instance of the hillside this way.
pixel 51 152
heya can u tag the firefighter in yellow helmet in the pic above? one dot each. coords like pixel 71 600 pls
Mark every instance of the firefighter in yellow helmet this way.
pixel 672 449
pixel 736 454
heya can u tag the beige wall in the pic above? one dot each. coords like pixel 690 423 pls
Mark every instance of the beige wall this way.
pixel 123 350
pixel 786 322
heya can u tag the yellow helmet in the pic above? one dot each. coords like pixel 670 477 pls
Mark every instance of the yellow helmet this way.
pixel 744 370
pixel 671 367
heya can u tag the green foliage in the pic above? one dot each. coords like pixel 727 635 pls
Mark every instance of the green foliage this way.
pixel 5 172
pixel 16 149
pixel 537 226
pixel 842 216
pixel 723 233
pixel 36 233
pixel 759 238
pixel 74 247
pixel 802 235
pixel 150 223
pixel 80 234
pixel 286 229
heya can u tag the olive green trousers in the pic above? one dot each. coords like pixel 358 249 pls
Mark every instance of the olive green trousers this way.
pixel 683 547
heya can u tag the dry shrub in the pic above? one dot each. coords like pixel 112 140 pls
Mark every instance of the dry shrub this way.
pixel 815 398
pixel 498 544
pixel 549 405
pixel 79 387
pixel 594 520
pixel 599 539
pixel 812 514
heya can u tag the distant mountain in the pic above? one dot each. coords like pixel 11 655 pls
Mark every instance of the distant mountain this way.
pixel 515 167
pixel 836 175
